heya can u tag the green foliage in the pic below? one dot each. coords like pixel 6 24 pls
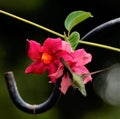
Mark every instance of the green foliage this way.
pixel 75 18
pixel 74 39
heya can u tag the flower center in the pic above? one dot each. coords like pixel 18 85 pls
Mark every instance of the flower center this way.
pixel 46 58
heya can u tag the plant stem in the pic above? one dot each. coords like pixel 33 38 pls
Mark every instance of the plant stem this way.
pixel 32 23
pixel 58 34
pixel 100 45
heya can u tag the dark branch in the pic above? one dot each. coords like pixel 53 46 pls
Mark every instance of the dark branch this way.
pixel 22 105
pixel 101 27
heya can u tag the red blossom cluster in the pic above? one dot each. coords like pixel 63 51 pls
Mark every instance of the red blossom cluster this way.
pixel 46 57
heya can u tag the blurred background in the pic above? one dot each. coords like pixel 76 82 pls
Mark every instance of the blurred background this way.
pixel 103 97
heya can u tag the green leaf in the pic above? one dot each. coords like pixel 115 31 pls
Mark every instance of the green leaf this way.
pixel 74 39
pixel 75 18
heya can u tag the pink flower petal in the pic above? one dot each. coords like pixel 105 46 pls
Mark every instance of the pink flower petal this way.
pixel 87 79
pixel 52 68
pixel 82 70
pixel 34 50
pixel 82 57
pixel 56 75
pixel 36 68
pixel 52 45
pixel 66 46
pixel 67 56
pixel 79 69
pixel 65 84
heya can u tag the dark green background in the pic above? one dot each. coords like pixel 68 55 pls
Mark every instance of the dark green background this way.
pixel 35 89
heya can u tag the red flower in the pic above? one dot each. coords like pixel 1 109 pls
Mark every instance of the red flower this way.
pixel 77 64
pixel 47 58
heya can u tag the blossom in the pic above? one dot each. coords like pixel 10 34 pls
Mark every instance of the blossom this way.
pixel 46 57
pixel 77 64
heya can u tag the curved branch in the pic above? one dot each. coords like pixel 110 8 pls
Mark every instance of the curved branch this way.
pixel 24 106
pixel 101 27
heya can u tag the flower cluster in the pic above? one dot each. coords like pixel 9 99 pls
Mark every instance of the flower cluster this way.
pixel 46 57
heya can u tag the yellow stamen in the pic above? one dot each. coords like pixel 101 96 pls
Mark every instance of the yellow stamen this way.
pixel 46 58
